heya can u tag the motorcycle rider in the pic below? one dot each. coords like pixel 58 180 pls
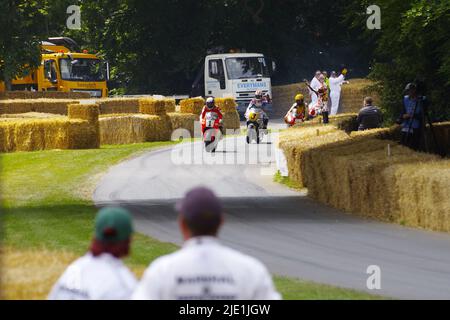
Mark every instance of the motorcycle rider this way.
pixel 257 106
pixel 321 106
pixel 297 111
pixel 211 107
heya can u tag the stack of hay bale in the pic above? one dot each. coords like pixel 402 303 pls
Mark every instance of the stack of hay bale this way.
pixel 230 114
pixel 56 106
pixel 367 173
pixel 43 94
pixel 118 105
pixel 152 124
pixel 192 105
pixel 79 130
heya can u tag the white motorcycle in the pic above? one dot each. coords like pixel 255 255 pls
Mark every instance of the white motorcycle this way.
pixel 255 127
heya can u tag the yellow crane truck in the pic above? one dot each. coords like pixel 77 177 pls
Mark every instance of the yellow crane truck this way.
pixel 64 68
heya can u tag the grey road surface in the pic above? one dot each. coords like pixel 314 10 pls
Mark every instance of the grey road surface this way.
pixel 293 235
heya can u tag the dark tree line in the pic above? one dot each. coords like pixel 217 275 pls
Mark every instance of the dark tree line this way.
pixel 157 46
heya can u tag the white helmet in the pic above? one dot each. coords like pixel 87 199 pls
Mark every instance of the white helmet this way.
pixel 210 103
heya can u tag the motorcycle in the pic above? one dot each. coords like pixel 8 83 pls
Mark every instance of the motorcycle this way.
pixel 255 127
pixel 291 118
pixel 212 131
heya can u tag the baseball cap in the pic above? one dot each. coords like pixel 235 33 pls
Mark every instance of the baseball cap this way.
pixel 113 224
pixel 199 202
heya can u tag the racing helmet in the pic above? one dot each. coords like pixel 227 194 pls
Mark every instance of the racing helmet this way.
pixel 258 94
pixel 299 97
pixel 253 116
pixel 210 103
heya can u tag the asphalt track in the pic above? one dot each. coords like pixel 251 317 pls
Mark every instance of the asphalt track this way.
pixel 292 234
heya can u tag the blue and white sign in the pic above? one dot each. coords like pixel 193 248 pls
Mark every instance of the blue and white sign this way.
pixel 252 85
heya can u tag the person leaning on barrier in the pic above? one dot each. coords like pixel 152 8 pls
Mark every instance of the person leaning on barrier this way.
pixel 412 116
pixel 370 116
pixel 100 274
pixel 204 269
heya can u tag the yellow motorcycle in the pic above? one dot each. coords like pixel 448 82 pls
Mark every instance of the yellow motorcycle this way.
pixel 255 127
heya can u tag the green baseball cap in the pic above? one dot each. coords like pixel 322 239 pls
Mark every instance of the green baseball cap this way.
pixel 113 224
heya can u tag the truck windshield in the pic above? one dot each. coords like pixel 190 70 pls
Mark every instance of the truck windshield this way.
pixel 248 67
pixel 82 69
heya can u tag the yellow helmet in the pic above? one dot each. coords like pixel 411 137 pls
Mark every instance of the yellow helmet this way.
pixel 299 97
pixel 252 116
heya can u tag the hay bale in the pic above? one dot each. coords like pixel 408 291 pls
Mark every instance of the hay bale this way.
pixel 15 106
pixel 379 133
pixel 13 95
pixel 135 129
pixel 152 106
pixel 358 176
pixel 183 121
pixel 296 141
pixel 118 105
pixel 35 105
pixel 442 131
pixel 123 129
pixel 89 112
pixel 226 104
pixel 159 129
pixel 30 115
pixel 43 134
pixel 422 193
pixel 231 120
pixel 57 106
pixel 192 105
pixel 170 105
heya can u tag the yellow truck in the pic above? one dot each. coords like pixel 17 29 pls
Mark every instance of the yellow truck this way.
pixel 64 68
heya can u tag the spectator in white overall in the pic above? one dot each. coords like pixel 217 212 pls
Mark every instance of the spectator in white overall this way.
pixel 335 90
pixel 100 274
pixel 204 269
pixel 315 85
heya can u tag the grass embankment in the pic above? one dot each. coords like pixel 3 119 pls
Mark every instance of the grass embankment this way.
pixel 288 182
pixel 48 222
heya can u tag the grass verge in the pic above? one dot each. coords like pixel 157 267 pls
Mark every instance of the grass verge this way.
pixel 48 221
pixel 287 182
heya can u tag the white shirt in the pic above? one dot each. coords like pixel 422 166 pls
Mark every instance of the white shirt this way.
pixel 104 277
pixel 204 269
pixel 336 83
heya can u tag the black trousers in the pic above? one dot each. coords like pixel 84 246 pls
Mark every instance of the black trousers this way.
pixel 411 140
pixel 325 116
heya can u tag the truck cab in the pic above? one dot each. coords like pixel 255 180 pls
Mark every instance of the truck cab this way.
pixel 64 68
pixel 236 75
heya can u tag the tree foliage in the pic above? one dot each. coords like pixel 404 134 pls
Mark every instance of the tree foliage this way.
pixel 157 46
pixel 21 27
pixel 413 44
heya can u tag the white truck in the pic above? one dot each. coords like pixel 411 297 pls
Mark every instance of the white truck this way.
pixel 236 75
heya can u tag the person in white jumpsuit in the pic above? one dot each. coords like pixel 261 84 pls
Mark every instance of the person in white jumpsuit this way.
pixel 314 84
pixel 100 274
pixel 204 269
pixel 335 91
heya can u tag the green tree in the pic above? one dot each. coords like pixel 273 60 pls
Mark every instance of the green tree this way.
pixel 21 22
pixel 413 44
